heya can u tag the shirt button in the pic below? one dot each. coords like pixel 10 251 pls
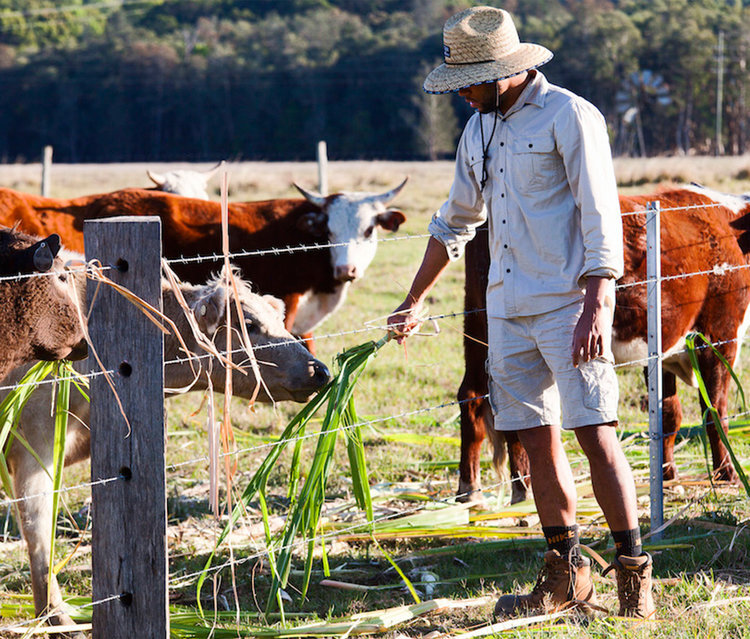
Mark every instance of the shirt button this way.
pixel 505 246
pixel 507 270
pixel 502 195
pixel 503 221
pixel 501 170
pixel 531 146
pixel 502 143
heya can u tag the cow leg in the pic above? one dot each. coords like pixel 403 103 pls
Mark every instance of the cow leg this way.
pixel 291 302
pixel 472 434
pixel 33 486
pixel 716 379
pixel 671 422
pixel 520 468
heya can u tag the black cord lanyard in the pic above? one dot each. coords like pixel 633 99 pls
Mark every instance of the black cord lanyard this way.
pixel 485 149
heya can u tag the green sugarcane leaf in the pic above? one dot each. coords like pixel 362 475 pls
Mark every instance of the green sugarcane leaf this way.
pixel 62 405
pixel 691 348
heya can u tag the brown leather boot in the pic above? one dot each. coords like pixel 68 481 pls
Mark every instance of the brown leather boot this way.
pixel 634 585
pixel 558 583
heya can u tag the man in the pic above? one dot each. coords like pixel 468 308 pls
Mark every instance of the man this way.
pixel 535 162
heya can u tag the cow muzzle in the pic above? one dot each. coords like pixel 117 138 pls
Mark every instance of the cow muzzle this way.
pixel 346 273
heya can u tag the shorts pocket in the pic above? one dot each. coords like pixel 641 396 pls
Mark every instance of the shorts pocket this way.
pixel 600 388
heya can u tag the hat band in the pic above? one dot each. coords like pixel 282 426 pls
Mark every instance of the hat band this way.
pixel 456 64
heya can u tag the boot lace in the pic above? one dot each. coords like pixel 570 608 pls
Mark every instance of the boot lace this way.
pixel 629 589
pixel 550 575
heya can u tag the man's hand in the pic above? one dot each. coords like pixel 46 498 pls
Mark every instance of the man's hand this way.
pixel 404 320
pixel 588 337
pixel 591 332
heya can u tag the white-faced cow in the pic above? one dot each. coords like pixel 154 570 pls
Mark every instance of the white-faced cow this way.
pixel 185 182
pixel 38 315
pixel 708 231
pixel 313 283
pixel 288 370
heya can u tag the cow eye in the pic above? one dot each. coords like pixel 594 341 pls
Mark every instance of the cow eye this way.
pixel 368 231
pixel 251 326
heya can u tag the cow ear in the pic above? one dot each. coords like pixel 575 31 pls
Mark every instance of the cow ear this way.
pixel 209 311
pixel 44 253
pixel 391 219
pixel 277 304
pixel 315 223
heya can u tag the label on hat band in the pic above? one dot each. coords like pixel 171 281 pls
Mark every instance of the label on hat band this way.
pixel 446 51
pixel 449 63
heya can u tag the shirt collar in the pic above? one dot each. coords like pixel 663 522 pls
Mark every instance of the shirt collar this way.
pixel 535 92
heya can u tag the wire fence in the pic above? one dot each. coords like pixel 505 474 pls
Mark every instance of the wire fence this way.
pixel 179 580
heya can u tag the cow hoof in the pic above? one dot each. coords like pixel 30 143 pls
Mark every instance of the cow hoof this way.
pixel 727 474
pixel 518 494
pixel 474 497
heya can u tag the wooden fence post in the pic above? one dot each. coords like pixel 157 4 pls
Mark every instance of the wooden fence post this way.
pixel 322 168
pixel 129 515
pixel 46 170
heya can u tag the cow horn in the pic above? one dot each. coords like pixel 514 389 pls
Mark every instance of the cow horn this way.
pixel 156 178
pixel 389 195
pixel 211 172
pixel 315 198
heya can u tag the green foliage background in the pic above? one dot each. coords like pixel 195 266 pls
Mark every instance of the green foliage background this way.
pixel 166 80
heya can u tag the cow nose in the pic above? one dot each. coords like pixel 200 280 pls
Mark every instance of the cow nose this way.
pixel 321 374
pixel 345 273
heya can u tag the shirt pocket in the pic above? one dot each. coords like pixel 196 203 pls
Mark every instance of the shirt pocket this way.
pixel 536 164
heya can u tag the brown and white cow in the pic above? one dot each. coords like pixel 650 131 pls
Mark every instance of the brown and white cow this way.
pixel 312 283
pixel 708 236
pixel 38 315
pixel 288 370
pixel 185 182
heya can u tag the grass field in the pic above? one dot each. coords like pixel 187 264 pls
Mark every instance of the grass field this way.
pixel 702 564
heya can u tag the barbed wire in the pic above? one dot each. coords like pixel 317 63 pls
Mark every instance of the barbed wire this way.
pixel 716 270
pixel 363 423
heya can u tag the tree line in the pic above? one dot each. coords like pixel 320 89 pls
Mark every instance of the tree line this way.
pixel 199 80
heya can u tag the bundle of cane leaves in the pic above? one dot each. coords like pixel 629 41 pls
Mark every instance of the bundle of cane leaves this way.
pixel 690 341
pixel 307 501
pixel 10 413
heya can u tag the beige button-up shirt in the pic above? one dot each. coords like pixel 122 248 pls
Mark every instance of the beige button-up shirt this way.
pixel 554 215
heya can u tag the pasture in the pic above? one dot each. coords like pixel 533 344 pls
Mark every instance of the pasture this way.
pixel 701 566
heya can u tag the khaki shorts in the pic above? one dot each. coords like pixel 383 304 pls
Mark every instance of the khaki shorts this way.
pixel 531 373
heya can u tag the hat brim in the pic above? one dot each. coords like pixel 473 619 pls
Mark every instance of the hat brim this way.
pixel 448 78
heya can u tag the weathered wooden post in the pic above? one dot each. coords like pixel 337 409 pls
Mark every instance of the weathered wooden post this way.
pixel 129 541
pixel 322 168
pixel 46 170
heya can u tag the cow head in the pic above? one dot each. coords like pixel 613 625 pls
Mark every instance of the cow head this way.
pixel 44 321
pixel 288 370
pixel 185 182
pixel 349 221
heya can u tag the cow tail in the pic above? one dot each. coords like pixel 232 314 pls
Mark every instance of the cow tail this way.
pixel 497 442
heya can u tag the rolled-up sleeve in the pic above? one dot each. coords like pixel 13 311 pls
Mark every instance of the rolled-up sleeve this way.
pixel 455 223
pixel 582 142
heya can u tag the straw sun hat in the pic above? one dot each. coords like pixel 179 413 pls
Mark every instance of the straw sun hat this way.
pixel 481 45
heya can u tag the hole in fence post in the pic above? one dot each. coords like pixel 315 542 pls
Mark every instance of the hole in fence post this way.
pixel 126 473
pixel 126 598
pixel 122 265
pixel 126 370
